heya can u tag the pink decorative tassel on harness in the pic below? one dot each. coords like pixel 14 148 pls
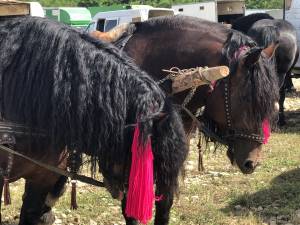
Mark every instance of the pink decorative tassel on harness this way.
pixel 140 196
pixel 266 130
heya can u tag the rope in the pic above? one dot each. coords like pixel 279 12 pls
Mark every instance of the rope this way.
pixel 175 72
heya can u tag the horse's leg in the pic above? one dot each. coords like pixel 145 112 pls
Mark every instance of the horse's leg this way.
pixel 33 201
pixel 163 206
pixel 129 221
pixel 38 201
pixel 289 86
pixel 281 119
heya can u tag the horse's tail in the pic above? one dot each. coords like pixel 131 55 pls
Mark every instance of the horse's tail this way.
pixel 169 149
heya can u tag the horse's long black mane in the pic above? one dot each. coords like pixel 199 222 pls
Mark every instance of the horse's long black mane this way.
pixel 78 90
pixel 260 84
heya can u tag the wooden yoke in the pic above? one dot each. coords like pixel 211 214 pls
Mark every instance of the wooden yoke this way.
pixel 192 78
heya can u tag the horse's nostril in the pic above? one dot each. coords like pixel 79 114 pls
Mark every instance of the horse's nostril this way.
pixel 249 164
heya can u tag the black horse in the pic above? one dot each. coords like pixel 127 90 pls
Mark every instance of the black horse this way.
pixel 266 30
pixel 69 90
pixel 237 105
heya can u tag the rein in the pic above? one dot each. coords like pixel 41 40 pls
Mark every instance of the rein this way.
pixel 229 134
pixel 55 169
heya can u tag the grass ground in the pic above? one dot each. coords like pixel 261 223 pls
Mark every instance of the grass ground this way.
pixel 219 196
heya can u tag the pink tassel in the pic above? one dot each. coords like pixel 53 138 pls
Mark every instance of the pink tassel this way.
pixel 266 131
pixel 140 196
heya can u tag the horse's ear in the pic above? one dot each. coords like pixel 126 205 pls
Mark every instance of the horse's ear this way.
pixel 270 50
pixel 252 56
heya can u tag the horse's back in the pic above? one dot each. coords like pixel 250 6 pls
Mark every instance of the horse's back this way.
pixel 179 22
pixel 244 23
pixel 282 25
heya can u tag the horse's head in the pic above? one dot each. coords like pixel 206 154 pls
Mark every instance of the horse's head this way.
pixel 240 103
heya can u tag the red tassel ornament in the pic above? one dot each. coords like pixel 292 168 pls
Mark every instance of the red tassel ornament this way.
pixel 266 131
pixel 140 196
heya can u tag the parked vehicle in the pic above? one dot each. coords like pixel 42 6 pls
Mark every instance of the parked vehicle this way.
pixel 293 16
pixel 224 11
pixel 36 9
pixel 104 21
pixel 74 16
pixel 96 9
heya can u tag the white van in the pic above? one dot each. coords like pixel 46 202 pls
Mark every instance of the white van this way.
pixel 222 11
pixel 293 16
pixel 104 21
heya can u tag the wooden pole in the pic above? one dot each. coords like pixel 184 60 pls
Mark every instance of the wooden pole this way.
pixel 196 77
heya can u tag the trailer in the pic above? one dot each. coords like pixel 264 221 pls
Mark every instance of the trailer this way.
pixel 105 21
pixel 79 17
pixel 222 11
pixel 36 9
pixel 292 14
pixel 96 9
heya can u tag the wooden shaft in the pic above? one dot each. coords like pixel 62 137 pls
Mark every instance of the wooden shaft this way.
pixel 215 73
pixel 198 77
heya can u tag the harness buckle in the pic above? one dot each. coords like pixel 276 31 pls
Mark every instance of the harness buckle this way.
pixel 7 138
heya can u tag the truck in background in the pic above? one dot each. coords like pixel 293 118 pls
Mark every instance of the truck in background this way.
pixel 78 17
pixel 104 21
pixel 222 11
pixel 293 16
pixel 36 9
pixel 96 9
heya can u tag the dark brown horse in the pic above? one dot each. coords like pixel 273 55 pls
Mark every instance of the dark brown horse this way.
pixel 237 105
pixel 266 30
pixel 64 89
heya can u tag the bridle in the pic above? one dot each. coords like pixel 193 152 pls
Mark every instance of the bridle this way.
pixel 229 134
pixel 226 136
pixel 232 134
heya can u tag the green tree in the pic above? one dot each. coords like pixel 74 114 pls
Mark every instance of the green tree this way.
pixel 87 3
pixel 264 4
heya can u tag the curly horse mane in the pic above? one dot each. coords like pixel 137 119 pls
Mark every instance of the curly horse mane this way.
pixel 82 93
